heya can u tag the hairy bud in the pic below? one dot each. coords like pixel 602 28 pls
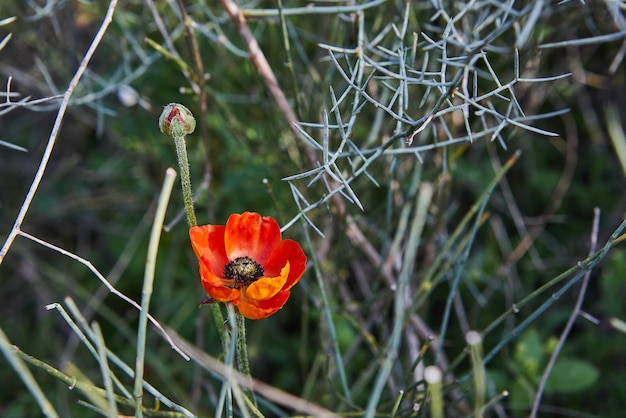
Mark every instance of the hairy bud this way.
pixel 176 120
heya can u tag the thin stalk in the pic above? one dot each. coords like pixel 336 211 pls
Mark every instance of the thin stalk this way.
pixel 570 323
pixel 177 121
pixel 290 63
pixel 148 281
pixel 308 10
pixel 458 273
pixel 434 377
pixel 428 281
pixel 87 388
pixel 582 267
pixel 479 379
pixel 87 341
pixel 396 404
pixel 86 334
pixel 200 81
pixel 329 319
pixel 225 401
pixel 105 370
pixel 108 18
pixel 235 391
pixel 11 352
pixel 268 392
pixel 185 180
pixel 242 353
pixel 109 286
pixel 401 303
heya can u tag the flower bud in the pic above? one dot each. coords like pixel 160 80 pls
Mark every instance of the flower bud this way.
pixel 176 120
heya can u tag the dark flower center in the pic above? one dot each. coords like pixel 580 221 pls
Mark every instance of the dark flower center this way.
pixel 243 271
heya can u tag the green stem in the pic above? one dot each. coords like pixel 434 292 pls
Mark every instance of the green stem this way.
pixel 73 382
pixel 106 371
pixel 218 319
pixel 433 376
pixel 185 181
pixel 474 341
pixel 15 358
pixel 148 284
pixel 176 120
pixel 242 353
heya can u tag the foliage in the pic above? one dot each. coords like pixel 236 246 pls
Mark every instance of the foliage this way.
pixel 438 161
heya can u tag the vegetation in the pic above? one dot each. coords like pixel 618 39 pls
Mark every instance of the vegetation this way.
pixel 453 170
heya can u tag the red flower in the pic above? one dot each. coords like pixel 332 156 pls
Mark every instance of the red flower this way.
pixel 247 262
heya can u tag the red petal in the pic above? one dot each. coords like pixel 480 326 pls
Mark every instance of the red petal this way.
pixel 208 244
pixel 263 309
pixel 286 251
pixel 277 301
pixel 250 235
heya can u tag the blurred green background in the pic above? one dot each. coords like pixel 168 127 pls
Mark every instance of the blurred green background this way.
pixel 98 196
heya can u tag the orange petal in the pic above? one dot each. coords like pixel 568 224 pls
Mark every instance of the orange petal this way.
pixel 208 244
pixel 263 309
pixel 268 287
pixel 221 293
pixel 250 235
pixel 287 251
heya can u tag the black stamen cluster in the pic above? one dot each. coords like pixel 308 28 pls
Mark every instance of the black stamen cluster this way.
pixel 243 271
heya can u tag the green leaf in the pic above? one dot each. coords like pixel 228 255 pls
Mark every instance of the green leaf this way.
pixel 571 375
pixel 529 353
